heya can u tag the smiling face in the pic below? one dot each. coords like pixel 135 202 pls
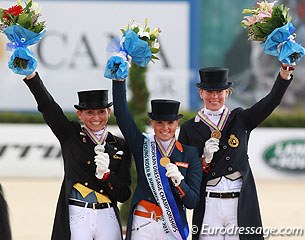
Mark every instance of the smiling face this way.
pixel 164 130
pixel 95 119
pixel 214 100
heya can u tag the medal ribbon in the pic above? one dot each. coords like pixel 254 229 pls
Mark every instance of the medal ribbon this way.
pixel 221 123
pixel 94 138
pixel 166 152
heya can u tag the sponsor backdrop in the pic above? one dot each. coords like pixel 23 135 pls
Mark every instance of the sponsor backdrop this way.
pixel 73 54
pixel 33 151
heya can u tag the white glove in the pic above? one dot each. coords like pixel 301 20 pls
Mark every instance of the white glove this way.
pixel 173 172
pixel 102 164
pixel 211 146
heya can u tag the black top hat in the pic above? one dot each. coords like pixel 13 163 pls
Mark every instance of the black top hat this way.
pixel 164 110
pixel 214 78
pixel 93 99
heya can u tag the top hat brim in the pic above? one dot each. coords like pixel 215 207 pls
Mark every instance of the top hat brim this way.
pixel 213 87
pixel 164 117
pixel 79 107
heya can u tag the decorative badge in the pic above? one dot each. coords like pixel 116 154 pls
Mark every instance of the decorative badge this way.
pixel 233 141
pixel 115 156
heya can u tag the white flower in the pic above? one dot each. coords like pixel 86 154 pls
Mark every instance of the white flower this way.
pixel 35 8
pixel 155 45
pixel 133 25
pixel 143 33
pixel 265 6
pixel 156 31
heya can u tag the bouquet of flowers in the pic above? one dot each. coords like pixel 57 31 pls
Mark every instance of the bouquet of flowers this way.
pixel 271 25
pixel 22 28
pixel 137 44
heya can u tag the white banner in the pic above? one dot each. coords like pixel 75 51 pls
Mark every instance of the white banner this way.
pixel 31 150
pixel 72 55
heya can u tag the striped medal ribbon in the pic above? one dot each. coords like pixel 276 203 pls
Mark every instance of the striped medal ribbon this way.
pixel 215 129
pixel 165 152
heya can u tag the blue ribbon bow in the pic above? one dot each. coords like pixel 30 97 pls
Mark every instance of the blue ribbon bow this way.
pixel 281 43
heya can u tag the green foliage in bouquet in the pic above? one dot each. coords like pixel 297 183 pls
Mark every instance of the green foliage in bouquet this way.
pixel 26 17
pixel 265 18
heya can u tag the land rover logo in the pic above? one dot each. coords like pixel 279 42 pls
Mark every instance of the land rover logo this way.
pixel 287 155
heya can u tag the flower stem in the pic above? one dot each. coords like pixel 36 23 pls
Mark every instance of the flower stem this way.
pixel 20 62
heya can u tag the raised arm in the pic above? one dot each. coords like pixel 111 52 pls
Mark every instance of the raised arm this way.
pixel 51 111
pixel 124 119
pixel 262 109
pixel 117 70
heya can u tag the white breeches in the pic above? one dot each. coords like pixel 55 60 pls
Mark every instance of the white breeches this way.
pixel 147 228
pixel 220 218
pixel 97 224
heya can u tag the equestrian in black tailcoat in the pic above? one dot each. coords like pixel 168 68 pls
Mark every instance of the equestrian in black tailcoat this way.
pixel 233 157
pixel 78 156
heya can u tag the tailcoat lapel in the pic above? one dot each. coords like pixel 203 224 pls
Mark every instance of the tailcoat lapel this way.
pixel 202 130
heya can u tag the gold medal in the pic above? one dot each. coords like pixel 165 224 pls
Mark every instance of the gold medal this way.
pixel 164 161
pixel 216 134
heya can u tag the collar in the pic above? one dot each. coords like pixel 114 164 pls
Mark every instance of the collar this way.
pixel 100 132
pixel 213 113
pixel 110 139
pixel 165 144
pixel 209 113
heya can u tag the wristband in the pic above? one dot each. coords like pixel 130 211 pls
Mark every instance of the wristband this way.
pixel 205 166
pixel 106 176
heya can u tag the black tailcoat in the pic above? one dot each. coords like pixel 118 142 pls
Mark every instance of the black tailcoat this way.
pixel 231 158
pixel 78 156
pixel 5 228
